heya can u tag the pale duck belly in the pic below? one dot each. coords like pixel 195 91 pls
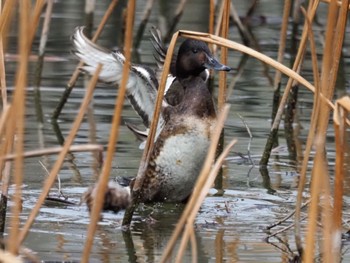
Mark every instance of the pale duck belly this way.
pixel 180 163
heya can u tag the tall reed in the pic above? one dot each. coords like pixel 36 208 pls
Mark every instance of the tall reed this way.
pixel 335 32
pixel 104 177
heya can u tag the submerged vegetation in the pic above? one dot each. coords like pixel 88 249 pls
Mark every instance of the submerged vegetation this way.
pixel 324 200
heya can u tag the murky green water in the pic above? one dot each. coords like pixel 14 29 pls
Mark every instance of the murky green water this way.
pixel 230 226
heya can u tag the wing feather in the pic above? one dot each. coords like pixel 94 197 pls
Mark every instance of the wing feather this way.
pixel 142 84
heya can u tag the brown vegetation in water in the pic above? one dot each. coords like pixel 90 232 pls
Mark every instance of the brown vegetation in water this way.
pixel 322 205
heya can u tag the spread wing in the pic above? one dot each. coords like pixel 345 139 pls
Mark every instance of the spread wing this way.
pixel 142 84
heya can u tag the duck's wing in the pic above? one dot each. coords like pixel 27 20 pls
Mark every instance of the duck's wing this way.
pixel 142 85
pixel 160 55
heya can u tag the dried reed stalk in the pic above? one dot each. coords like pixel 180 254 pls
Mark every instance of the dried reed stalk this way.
pixel 224 34
pixel 219 21
pixel 2 67
pixel 335 31
pixel 225 20
pixel 274 129
pixel 6 18
pixel 18 119
pixel 280 58
pixel 282 42
pixel 201 188
pixel 76 72
pixel 338 2
pixel 311 135
pixel 114 134
pixel 5 176
pixel 211 16
pixel 5 114
pixel 57 166
pixel 6 132
pixel 342 109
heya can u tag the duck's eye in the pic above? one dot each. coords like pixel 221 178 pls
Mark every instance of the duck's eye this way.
pixel 194 50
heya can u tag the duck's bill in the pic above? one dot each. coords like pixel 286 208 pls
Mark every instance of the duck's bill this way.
pixel 212 63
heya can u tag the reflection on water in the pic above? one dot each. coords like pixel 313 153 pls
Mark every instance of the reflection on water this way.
pixel 231 223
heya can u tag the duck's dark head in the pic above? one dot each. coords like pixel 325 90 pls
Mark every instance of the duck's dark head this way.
pixel 194 57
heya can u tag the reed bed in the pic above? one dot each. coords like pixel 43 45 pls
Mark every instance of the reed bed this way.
pixel 322 206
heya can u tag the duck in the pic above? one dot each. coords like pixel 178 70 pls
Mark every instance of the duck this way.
pixel 188 118
pixel 193 58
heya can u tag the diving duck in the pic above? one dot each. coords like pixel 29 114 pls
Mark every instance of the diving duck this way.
pixel 188 118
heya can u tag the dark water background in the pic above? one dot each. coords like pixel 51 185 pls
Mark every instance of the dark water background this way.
pixel 230 226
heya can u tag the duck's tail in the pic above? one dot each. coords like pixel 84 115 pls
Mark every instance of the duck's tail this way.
pixel 116 198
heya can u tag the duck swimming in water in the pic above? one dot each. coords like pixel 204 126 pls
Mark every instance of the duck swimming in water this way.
pixel 188 119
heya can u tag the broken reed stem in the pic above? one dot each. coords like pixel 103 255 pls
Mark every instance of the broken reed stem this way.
pixel 193 245
pixel 76 72
pixel 316 187
pixel 114 134
pixel 57 166
pixel 326 217
pixel 6 18
pixel 18 119
pixel 151 135
pixel 201 182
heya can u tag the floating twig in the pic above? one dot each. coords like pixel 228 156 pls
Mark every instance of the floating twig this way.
pixel 279 222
